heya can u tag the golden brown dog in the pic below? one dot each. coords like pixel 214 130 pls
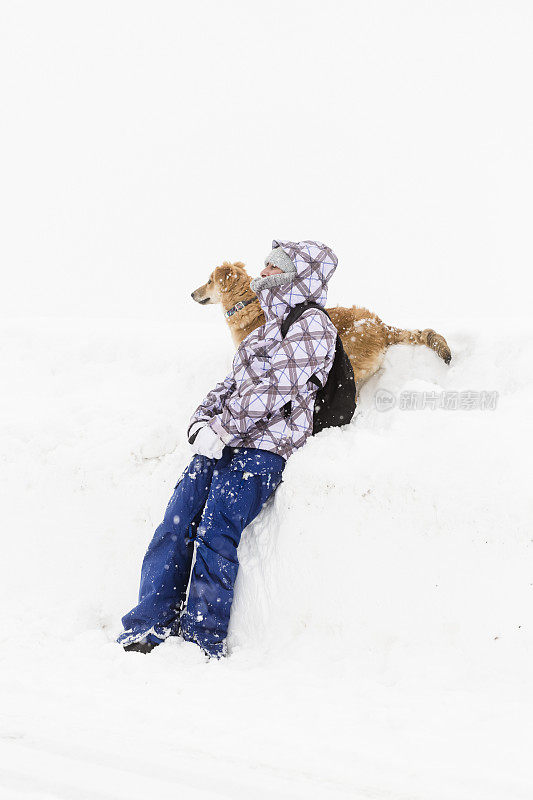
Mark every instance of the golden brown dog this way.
pixel 364 336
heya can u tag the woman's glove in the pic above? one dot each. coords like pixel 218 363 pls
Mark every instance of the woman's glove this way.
pixel 207 443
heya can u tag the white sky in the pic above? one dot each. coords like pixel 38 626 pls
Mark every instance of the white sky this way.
pixel 143 143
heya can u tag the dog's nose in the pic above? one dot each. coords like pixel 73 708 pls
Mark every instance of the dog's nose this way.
pixel 192 295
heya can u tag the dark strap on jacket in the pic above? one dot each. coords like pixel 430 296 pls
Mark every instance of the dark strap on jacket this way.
pixel 294 314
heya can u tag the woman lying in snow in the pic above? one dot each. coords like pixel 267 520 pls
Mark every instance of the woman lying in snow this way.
pixel 242 434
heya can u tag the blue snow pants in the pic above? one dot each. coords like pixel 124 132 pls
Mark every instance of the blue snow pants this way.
pixel 191 564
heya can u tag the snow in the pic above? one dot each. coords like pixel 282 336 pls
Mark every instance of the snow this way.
pixel 381 642
pixel 381 628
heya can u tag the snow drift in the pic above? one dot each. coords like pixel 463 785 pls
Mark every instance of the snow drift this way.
pixel 382 610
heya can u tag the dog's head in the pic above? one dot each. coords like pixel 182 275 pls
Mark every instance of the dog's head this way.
pixel 223 279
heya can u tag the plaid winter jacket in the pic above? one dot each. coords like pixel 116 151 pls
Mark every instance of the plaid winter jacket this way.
pixel 246 409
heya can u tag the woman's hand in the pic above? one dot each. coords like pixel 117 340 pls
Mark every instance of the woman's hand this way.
pixel 207 443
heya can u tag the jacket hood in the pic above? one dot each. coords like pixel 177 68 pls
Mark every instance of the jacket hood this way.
pixel 315 263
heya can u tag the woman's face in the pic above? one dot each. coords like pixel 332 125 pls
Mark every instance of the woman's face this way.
pixel 270 269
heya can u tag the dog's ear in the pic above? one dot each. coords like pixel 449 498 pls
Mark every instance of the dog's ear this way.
pixel 226 275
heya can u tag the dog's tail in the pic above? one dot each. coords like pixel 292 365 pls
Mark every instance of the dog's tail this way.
pixel 429 337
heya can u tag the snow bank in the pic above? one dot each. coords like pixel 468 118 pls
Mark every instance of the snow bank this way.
pixel 381 637
pixel 410 528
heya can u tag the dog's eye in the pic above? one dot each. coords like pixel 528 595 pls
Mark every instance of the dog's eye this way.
pixel 209 281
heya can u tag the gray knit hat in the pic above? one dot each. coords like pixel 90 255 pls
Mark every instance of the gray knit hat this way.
pixel 278 258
